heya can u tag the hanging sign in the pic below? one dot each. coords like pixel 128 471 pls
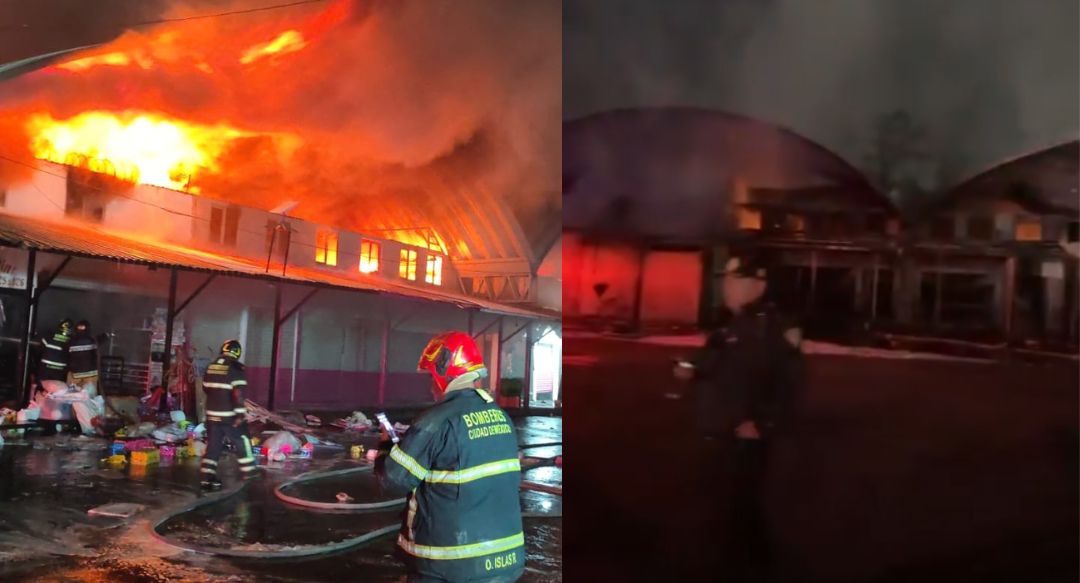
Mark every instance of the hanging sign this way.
pixel 13 264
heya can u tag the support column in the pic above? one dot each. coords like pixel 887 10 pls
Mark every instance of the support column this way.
pixel 813 281
pixel 874 288
pixel 298 331
pixel 496 370
pixel 527 381
pixel 938 282
pixel 472 316
pixel 639 285
pixel 1008 297
pixel 274 345
pixel 859 302
pixel 384 360
pixel 31 320
pixel 166 353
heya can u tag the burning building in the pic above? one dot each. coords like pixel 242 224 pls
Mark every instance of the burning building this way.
pixel 997 255
pixel 413 196
pixel 655 197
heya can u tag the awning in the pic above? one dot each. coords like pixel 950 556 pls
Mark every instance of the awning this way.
pixel 76 239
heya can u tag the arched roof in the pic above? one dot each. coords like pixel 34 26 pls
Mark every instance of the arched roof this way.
pixel 1047 180
pixel 669 171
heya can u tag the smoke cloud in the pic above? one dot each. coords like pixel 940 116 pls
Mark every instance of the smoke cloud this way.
pixel 985 80
pixel 389 97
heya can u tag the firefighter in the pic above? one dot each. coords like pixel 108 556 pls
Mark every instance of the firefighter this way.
pixel 53 369
pixel 53 373
pixel 746 378
pixel 226 415
pixel 83 365
pixel 459 463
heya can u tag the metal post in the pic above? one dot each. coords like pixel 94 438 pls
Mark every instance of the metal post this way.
pixel 813 281
pixel 1008 299
pixel 31 317
pixel 166 355
pixel 874 289
pixel 527 381
pixel 472 315
pixel 384 360
pixel 298 331
pixel 496 371
pixel 938 281
pixel 275 343
pixel 639 289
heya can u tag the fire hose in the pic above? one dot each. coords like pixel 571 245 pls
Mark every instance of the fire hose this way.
pixel 290 553
pixel 310 550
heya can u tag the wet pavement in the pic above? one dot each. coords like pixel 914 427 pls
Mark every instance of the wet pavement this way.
pixel 895 471
pixel 47 485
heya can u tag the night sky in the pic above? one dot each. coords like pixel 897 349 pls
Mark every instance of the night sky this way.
pixel 981 80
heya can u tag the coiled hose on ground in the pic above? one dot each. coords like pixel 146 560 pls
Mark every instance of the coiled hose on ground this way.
pixel 324 549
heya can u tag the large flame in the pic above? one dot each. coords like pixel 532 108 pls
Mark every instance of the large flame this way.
pixel 141 147
pixel 287 42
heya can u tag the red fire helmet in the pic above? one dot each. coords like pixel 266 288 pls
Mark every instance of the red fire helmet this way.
pixel 448 356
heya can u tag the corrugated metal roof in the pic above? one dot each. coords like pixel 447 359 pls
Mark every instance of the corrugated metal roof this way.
pixel 89 241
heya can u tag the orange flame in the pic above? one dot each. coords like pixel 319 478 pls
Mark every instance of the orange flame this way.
pixel 141 147
pixel 107 59
pixel 287 42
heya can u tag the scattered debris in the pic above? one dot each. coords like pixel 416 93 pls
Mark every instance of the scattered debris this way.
pixel 280 445
pixel 344 498
pixel 313 421
pixel 116 510
pixel 355 422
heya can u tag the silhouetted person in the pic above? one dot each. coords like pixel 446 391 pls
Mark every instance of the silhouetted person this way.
pixel 745 380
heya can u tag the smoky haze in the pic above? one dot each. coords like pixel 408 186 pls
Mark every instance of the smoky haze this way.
pixel 980 80
pixel 396 98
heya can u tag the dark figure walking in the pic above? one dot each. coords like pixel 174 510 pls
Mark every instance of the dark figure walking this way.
pixel 745 379
pixel 226 422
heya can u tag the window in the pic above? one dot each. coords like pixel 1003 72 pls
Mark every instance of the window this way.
pixel 326 247
pixel 434 270
pixel 407 268
pixel 369 256
pixel 749 219
pixel 215 224
pixel 224 223
pixel 1072 232
pixel 980 228
pixel 1028 229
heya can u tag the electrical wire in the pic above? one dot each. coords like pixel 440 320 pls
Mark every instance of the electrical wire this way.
pixel 188 18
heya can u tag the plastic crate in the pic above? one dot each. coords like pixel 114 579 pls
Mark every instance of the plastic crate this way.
pixel 145 457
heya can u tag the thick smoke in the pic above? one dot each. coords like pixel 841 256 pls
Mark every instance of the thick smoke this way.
pixel 984 79
pixel 389 97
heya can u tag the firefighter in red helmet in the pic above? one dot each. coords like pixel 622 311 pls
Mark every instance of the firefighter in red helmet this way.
pixel 459 463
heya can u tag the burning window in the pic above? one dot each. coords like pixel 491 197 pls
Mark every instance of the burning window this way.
pixel 369 256
pixel 407 268
pixel 748 218
pixel 434 270
pixel 1028 229
pixel 326 247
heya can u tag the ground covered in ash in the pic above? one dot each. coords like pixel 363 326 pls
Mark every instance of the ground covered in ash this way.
pixel 48 485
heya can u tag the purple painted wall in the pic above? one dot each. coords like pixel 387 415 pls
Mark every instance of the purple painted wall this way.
pixel 331 389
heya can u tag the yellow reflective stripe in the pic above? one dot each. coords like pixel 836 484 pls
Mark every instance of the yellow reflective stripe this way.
pixel 217 385
pixel 475 472
pixel 464 551
pixel 239 383
pixel 54 363
pixel 221 413
pixel 484 395
pixel 398 455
